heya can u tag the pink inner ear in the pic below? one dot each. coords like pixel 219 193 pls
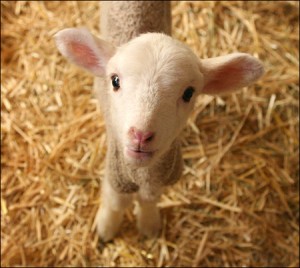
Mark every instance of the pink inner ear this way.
pixel 83 55
pixel 227 78
pixel 228 73
pixel 233 76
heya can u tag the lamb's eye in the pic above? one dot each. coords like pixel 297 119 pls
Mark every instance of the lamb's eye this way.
pixel 188 94
pixel 115 81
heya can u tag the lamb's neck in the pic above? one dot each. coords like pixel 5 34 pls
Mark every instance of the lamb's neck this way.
pixel 123 20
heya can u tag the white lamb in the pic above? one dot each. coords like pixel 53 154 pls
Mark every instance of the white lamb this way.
pixel 149 89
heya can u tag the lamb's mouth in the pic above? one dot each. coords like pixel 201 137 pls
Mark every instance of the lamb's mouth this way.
pixel 139 154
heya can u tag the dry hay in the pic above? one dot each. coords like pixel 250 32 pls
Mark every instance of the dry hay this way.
pixel 237 203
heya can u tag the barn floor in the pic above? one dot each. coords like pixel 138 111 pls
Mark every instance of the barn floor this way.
pixel 237 203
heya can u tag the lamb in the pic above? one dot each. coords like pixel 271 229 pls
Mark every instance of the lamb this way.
pixel 147 88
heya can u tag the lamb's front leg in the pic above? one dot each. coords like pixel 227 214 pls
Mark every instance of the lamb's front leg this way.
pixel 111 211
pixel 148 216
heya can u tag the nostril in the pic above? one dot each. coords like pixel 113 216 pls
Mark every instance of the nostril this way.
pixel 150 138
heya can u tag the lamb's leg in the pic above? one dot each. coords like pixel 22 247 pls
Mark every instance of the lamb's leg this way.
pixel 111 211
pixel 148 216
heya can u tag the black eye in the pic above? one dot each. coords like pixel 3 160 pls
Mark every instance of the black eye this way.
pixel 115 81
pixel 188 94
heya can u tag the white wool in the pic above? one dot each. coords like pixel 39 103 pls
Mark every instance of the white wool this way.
pixel 154 71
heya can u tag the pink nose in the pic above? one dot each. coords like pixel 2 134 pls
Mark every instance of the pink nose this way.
pixel 139 136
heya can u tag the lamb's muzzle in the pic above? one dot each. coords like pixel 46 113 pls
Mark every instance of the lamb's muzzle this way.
pixel 139 142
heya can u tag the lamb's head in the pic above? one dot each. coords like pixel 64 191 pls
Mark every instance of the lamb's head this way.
pixel 152 84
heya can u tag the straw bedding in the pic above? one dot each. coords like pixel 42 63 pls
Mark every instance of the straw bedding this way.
pixel 237 203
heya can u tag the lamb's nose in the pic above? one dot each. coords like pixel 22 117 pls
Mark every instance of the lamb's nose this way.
pixel 141 137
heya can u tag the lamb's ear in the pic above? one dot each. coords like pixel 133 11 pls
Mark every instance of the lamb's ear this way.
pixel 84 49
pixel 228 73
